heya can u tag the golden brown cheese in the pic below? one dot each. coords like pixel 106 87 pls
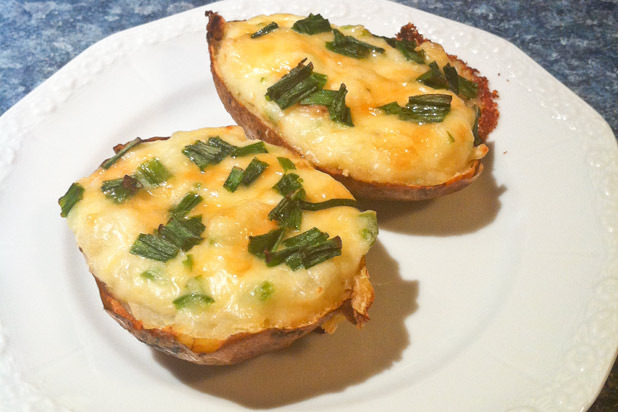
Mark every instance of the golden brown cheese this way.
pixel 222 266
pixel 379 148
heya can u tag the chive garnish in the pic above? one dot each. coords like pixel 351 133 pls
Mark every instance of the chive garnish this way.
pixel 434 77
pixel 254 169
pixel 311 236
pixel 152 173
pixel 263 290
pixel 187 203
pixel 427 108
pixel 350 46
pixel 313 24
pixel 286 163
pixel 183 233
pixel 188 262
pixel 288 183
pixel 287 213
pixel 299 83
pixel 233 180
pixel 267 242
pixel 406 47
pixel 306 255
pixel 294 245
pixel 254 148
pixel 192 299
pixel 459 85
pixel 109 162
pixel 327 204
pixel 70 198
pixel 225 147
pixel 121 189
pixel 370 231
pixel 265 30
pixel 467 88
pixel 203 154
pixel 151 274
pixel 154 247
pixel 475 128
pixel 452 78
pixel 334 100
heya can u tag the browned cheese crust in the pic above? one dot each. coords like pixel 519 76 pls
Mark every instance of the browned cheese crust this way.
pixel 242 346
pixel 255 128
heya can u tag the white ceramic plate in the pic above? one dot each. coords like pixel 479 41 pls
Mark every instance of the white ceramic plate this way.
pixel 503 296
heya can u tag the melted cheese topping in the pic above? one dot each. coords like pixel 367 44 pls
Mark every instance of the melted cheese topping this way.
pixel 380 147
pixel 222 268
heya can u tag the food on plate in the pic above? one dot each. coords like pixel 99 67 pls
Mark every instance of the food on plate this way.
pixel 215 249
pixel 390 117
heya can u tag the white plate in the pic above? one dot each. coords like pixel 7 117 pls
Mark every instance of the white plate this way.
pixel 503 296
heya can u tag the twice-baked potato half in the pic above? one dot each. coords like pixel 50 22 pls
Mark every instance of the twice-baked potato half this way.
pixel 391 118
pixel 216 249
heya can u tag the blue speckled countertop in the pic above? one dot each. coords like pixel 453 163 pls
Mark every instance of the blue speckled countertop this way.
pixel 575 40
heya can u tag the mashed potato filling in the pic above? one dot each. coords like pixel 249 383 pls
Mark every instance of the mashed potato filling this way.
pixel 379 147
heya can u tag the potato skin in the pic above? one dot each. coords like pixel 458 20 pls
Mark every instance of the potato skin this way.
pixel 242 346
pixel 256 128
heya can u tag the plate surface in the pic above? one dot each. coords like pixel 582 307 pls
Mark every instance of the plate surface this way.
pixel 500 297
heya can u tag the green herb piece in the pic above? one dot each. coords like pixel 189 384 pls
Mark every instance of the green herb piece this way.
pixel 121 189
pixel 450 73
pixel 193 299
pixel 327 204
pixel 287 213
pixel 427 108
pixel 188 262
pixel 187 203
pixel 183 233
pixel 370 232
pixel 311 236
pixel 299 83
pixel 350 46
pixel 226 148
pixel 254 148
pixel 313 24
pixel 434 77
pixel 154 247
pixel 258 245
pixel 263 290
pixel 406 47
pixel 288 183
pixel 109 162
pixel 334 100
pixel 233 180
pixel 467 88
pixel 203 154
pixel 70 198
pixel 265 30
pixel 294 245
pixel 151 274
pixel 254 169
pixel 475 128
pixel 306 256
pixel 392 108
pixel 391 41
pixel 286 163
pixel 152 173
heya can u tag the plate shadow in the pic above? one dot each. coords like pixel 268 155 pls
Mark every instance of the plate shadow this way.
pixel 319 363
pixel 465 211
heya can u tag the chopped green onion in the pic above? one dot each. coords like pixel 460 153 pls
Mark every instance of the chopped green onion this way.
pixel 467 88
pixel 154 247
pixel 265 30
pixel 120 189
pixel 109 162
pixel 203 154
pixel 406 47
pixel 151 274
pixel 327 204
pixel 311 236
pixel 263 290
pixel 187 203
pixel 334 100
pixel 313 24
pixel 287 213
pixel 299 83
pixel 427 108
pixel 320 98
pixel 475 128
pixel 193 299
pixel 286 163
pixel 350 46
pixel 152 173
pixel 392 108
pixel 188 262
pixel 225 147
pixel 254 169
pixel 233 180
pixel 258 245
pixel 183 233
pixel 434 77
pixel 70 198
pixel 312 255
pixel 450 73
pixel 370 232
pixel 254 148
pixel 288 183
pixel 391 41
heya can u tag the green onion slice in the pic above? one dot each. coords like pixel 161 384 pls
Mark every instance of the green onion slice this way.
pixel 406 47
pixel 313 24
pixel 254 148
pixel 427 108
pixel 70 198
pixel 467 88
pixel 288 183
pixel 350 46
pixel 259 245
pixel 121 189
pixel 193 299
pixel 327 204
pixel 204 154
pixel 234 179
pixel 286 163
pixel 109 162
pixel 154 247
pixel 152 173
pixel 287 213
pixel 263 291
pixel 265 30
pixel 187 203
pixel 334 100
pixel 299 83
pixel 254 169
pixel 434 77
pixel 183 233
